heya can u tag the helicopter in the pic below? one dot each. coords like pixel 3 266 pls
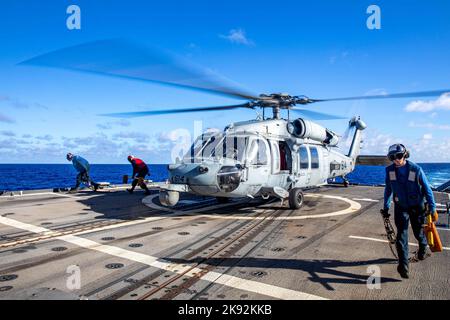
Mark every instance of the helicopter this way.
pixel 263 157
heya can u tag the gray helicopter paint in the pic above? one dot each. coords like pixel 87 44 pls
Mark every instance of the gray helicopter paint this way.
pixel 323 162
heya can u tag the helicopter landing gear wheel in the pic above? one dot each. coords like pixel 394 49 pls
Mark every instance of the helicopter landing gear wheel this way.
pixel 296 198
pixel 222 200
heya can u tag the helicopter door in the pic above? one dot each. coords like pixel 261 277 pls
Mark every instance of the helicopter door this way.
pixel 285 157
pixel 316 172
pixel 258 163
pixel 304 172
pixel 278 178
pixel 275 155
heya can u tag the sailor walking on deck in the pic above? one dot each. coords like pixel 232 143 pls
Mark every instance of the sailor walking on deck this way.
pixel 140 170
pixel 408 185
pixel 83 167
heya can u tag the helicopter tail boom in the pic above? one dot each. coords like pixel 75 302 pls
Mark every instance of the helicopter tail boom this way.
pixel 356 142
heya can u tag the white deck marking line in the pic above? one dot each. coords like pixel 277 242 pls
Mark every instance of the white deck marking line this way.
pixel 52 234
pixel 38 194
pixel 443 229
pixel 385 241
pixel 57 193
pixel 366 199
pixel 354 206
pixel 61 195
pixel 214 277
pixel 259 287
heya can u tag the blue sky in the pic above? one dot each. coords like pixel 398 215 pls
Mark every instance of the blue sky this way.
pixel 321 49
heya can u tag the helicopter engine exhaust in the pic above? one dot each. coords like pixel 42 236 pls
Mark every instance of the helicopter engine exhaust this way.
pixel 305 129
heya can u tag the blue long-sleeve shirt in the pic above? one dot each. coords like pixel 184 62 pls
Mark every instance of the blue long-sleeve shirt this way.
pixel 80 164
pixel 402 178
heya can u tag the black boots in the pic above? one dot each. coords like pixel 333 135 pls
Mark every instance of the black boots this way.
pixel 422 253
pixel 403 270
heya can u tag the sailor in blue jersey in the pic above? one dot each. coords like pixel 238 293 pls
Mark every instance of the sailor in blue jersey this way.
pixel 82 166
pixel 407 184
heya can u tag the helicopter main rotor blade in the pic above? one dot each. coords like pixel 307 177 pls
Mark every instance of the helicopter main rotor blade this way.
pixel 316 115
pixel 417 94
pixel 127 59
pixel 168 111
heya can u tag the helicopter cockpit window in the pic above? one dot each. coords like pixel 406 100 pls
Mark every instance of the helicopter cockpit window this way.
pixel 314 158
pixel 203 146
pixel 233 147
pixel 303 152
pixel 213 147
pixel 257 154
pixel 218 146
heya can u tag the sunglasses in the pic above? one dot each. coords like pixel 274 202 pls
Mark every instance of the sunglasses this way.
pixel 397 156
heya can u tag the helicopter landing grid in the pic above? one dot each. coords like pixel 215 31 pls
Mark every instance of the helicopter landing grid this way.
pixel 113 245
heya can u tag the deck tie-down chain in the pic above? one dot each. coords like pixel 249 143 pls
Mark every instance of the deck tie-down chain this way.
pixel 390 234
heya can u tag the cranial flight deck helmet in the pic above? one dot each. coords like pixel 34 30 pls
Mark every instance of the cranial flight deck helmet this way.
pixel 69 156
pixel 397 151
pixel 130 157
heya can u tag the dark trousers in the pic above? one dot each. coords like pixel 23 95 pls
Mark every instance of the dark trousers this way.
pixel 402 218
pixel 139 178
pixel 83 177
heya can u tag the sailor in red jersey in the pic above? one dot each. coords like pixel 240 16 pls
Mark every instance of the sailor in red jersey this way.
pixel 140 170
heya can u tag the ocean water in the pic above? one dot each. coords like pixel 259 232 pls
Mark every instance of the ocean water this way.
pixel 48 176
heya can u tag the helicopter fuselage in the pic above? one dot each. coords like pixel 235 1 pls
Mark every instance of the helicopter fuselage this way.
pixel 259 158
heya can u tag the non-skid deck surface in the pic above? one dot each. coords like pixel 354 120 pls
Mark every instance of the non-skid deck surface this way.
pixel 113 245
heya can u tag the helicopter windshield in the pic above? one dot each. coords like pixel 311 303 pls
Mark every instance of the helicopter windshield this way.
pixel 217 146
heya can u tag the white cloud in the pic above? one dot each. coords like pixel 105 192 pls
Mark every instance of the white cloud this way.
pixel 97 148
pixel 429 125
pixel 238 36
pixel 376 143
pixel 6 119
pixel 339 57
pixel 46 137
pixel 110 124
pixel 104 126
pixel 134 135
pixel 16 103
pixel 7 133
pixel 377 91
pixel 441 103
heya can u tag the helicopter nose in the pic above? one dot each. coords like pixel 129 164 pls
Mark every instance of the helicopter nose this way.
pixel 194 174
pixel 229 178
